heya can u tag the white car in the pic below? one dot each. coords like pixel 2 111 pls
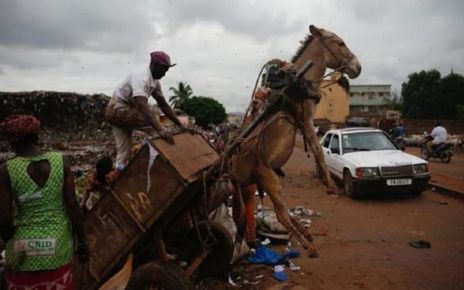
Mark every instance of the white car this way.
pixel 367 161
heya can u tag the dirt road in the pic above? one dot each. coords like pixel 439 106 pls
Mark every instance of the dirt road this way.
pixel 363 244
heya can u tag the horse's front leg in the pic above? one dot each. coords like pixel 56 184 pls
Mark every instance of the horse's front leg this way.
pixel 324 174
pixel 269 181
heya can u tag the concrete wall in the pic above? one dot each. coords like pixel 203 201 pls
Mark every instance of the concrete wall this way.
pixel 334 105
pixel 414 126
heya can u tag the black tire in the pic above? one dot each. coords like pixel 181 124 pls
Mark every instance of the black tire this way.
pixel 218 261
pixel 348 185
pixel 445 157
pixel 163 275
pixel 424 154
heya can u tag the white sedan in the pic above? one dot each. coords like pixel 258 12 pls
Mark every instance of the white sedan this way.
pixel 367 161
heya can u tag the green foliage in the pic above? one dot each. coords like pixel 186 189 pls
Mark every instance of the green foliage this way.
pixel 395 103
pixel 429 96
pixel 205 110
pixel 180 94
pixel 460 113
pixel 453 90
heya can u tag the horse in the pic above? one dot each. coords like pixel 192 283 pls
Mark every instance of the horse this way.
pixel 262 153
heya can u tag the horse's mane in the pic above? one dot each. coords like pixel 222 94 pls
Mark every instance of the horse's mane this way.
pixel 304 44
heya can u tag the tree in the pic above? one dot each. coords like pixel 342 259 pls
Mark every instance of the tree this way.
pixel 395 103
pixel 427 95
pixel 453 91
pixel 182 93
pixel 206 110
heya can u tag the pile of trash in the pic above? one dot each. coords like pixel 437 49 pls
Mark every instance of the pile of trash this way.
pixel 64 116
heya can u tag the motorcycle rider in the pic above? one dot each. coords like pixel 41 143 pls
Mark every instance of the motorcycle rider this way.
pixel 398 133
pixel 439 135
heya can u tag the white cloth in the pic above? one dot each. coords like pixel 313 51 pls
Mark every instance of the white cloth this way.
pixel 439 135
pixel 123 140
pixel 137 84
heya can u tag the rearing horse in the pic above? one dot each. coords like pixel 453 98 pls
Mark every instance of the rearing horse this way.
pixel 270 145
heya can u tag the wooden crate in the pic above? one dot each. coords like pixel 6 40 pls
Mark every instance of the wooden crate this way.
pixel 120 219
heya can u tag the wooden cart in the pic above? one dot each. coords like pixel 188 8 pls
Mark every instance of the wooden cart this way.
pixel 152 210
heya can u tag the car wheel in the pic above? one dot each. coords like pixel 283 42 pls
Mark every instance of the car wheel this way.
pixel 348 185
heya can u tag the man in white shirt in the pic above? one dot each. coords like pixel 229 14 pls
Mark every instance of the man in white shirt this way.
pixel 439 135
pixel 128 108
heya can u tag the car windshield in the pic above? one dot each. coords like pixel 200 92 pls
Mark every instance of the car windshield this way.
pixel 366 141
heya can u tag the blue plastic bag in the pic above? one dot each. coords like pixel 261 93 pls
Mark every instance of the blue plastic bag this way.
pixel 267 256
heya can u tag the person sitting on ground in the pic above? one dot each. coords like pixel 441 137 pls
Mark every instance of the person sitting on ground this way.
pixel 38 211
pixel 128 108
pixel 439 136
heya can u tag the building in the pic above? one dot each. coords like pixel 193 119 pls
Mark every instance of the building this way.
pixel 334 106
pixel 370 100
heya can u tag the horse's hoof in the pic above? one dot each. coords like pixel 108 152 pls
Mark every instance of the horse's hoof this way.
pixel 313 254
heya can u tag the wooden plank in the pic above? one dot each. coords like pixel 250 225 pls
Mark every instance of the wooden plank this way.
pixel 111 233
pixel 189 155
pixel 131 188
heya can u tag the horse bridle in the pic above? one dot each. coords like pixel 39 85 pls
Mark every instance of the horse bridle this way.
pixel 342 63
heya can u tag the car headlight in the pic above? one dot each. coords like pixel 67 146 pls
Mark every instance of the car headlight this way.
pixel 420 168
pixel 367 172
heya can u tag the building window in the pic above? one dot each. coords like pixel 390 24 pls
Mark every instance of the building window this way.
pixel 380 94
pixel 351 94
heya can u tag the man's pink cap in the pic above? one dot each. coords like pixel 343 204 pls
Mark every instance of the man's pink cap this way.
pixel 161 57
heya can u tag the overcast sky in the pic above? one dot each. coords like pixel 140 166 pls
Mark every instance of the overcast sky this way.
pixel 89 46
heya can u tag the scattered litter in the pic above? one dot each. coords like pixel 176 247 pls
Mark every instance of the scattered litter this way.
pixel 293 267
pixel 306 223
pixel 254 283
pixel 266 242
pixel 302 211
pixel 257 193
pixel 420 244
pixel 233 284
pixel 279 273
pixel 269 226
pixel 183 264
pixel 267 256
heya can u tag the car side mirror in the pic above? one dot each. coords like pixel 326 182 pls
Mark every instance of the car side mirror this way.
pixel 335 150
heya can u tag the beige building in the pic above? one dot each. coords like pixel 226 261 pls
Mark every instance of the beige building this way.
pixel 335 103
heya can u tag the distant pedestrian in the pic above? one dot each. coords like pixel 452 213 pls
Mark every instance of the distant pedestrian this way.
pixel 38 211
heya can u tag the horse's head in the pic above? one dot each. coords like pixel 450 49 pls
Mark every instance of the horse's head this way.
pixel 335 53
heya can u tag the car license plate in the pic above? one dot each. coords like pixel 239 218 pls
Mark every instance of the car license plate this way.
pixel 394 182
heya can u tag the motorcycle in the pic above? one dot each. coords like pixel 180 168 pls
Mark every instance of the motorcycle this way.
pixel 443 151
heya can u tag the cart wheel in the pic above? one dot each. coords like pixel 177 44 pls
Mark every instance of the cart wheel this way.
pixel 159 275
pixel 218 261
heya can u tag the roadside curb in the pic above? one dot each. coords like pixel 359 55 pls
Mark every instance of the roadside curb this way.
pixel 446 190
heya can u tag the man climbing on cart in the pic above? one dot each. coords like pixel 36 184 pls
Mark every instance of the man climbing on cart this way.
pixel 128 108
